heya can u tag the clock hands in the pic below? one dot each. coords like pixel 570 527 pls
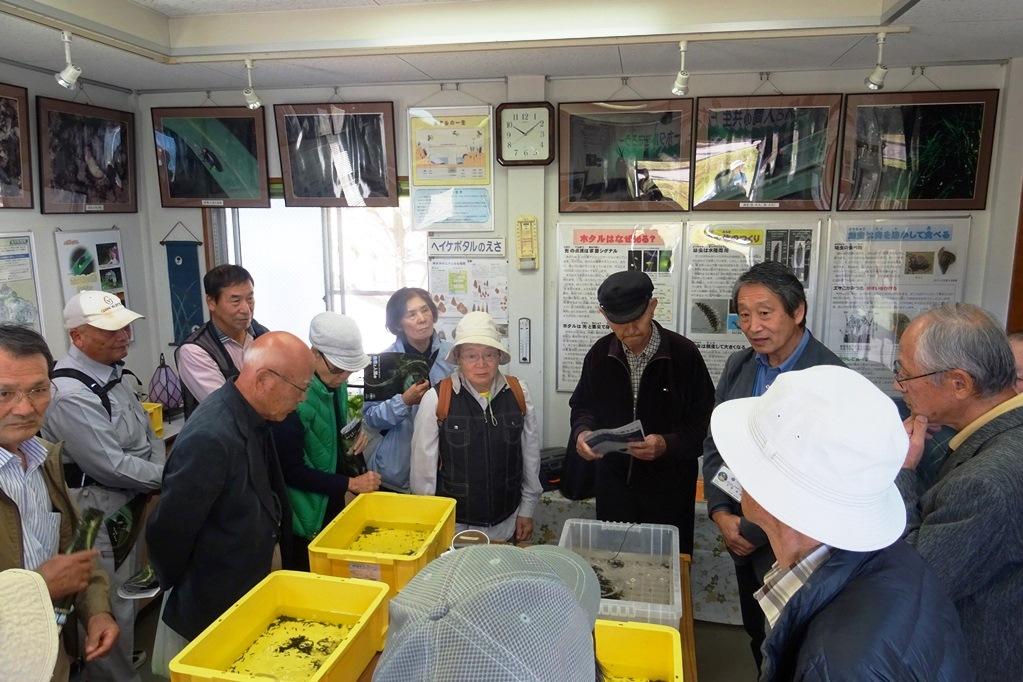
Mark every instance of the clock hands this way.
pixel 531 129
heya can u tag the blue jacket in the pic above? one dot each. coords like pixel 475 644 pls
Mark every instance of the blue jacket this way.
pixel 390 459
pixel 868 616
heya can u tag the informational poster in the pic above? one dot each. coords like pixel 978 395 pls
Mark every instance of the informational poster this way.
pixel 466 246
pixel 464 285
pixel 19 284
pixel 586 256
pixel 92 260
pixel 882 274
pixel 717 253
pixel 451 168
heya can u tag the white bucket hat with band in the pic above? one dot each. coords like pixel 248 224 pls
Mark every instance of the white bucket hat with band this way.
pixel 478 327
pixel 98 309
pixel 497 613
pixel 28 627
pixel 340 341
pixel 820 451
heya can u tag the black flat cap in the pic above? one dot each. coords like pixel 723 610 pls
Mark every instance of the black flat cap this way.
pixel 624 295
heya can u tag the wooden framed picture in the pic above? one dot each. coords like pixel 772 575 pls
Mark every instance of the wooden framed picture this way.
pixel 15 153
pixel 338 153
pixel 766 152
pixel 625 155
pixel 211 157
pixel 86 158
pixel 917 151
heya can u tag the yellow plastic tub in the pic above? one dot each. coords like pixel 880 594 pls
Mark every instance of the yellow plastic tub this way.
pixel 360 604
pixel 639 651
pixel 329 553
pixel 155 412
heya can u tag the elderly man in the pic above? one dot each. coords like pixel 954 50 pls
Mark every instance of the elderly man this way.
pixel 224 507
pixel 1016 343
pixel 771 305
pixel 955 368
pixel 214 353
pixel 37 517
pixel 643 371
pixel 111 455
pixel 846 599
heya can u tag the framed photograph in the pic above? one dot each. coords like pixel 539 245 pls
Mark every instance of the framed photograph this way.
pixel 15 154
pixel 766 152
pixel 625 155
pixel 912 151
pixel 86 158
pixel 211 157
pixel 338 154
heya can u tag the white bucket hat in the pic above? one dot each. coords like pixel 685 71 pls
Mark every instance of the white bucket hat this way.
pixel 28 627
pixel 340 341
pixel 820 451
pixel 478 327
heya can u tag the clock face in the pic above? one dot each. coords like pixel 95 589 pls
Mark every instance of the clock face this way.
pixel 526 134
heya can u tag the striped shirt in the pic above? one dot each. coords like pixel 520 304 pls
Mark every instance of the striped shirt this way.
pixel 40 525
pixel 780 585
pixel 639 361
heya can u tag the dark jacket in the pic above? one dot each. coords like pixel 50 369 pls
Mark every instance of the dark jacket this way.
pixel 676 397
pixel 222 510
pixel 207 338
pixel 737 380
pixel 868 616
pixel 967 528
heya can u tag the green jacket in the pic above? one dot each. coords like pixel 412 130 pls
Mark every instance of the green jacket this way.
pixel 322 414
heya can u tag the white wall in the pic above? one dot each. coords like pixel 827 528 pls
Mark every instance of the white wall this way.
pixel 517 191
pixel 133 227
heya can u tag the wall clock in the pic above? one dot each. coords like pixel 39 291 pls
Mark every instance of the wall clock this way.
pixel 525 133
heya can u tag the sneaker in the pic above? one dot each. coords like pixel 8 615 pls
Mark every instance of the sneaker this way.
pixel 142 585
pixel 138 659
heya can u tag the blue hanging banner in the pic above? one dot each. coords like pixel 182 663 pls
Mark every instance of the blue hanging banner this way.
pixel 185 288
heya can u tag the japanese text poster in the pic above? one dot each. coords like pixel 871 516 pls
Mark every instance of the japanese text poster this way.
pixel 19 284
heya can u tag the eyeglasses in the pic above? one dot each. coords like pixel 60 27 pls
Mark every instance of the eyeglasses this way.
pixel 897 370
pixel 35 395
pixel 490 357
pixel 300 389
pixel 326 363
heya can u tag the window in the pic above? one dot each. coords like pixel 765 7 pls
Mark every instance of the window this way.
pixel 307 260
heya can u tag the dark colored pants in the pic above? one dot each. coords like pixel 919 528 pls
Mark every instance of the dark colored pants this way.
pixel 298 557
pixel 749 574
pixel 635 500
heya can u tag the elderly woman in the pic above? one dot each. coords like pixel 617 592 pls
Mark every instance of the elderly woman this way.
pixel 410 316
pixel 476 438
pixel 308 441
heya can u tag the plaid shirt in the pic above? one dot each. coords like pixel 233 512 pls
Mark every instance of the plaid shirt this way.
pixel 638 363
pixel 780 585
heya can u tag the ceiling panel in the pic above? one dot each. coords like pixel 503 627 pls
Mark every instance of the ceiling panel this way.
pixel 937 43
pixel 181 8
pixel 556 61
pixel 942 11
pixel 738 55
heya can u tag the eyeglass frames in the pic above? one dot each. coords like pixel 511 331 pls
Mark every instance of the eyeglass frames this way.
pixel 901 381
pixel 326 363
pixel 300 389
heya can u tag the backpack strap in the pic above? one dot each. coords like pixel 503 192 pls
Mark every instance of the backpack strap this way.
pixel 444 390
pixel 516 389
pixel 93 385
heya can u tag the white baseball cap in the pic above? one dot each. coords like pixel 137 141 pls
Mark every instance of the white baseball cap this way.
pixel 28 627
pixel 98 309
pixel 820 451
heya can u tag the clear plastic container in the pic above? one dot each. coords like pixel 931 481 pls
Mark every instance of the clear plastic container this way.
pixel 637 564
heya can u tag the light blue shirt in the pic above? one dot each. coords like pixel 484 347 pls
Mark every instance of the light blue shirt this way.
pixel 40 525
pixel 767 374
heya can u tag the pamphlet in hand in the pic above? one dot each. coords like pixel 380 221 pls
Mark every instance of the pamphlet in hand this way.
pixel 615 440
pixel 389 374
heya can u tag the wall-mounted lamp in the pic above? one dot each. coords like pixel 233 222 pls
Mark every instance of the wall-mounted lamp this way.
pixel 681 86
pixel 68 76
pixel 252 100
pixel 875 81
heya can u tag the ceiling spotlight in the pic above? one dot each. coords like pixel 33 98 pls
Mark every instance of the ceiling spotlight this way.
pixel 681 86
pixel 252 100
pixel 68 76
pixel 875 81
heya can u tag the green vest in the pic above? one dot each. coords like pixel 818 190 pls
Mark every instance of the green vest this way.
pixel 320 450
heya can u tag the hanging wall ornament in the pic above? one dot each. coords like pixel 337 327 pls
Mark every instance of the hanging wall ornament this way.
pixel 185 283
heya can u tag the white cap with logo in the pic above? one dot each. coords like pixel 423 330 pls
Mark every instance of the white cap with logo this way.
pixel 98 309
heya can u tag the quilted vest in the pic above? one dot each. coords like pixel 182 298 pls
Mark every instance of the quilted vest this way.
pixel 321 422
